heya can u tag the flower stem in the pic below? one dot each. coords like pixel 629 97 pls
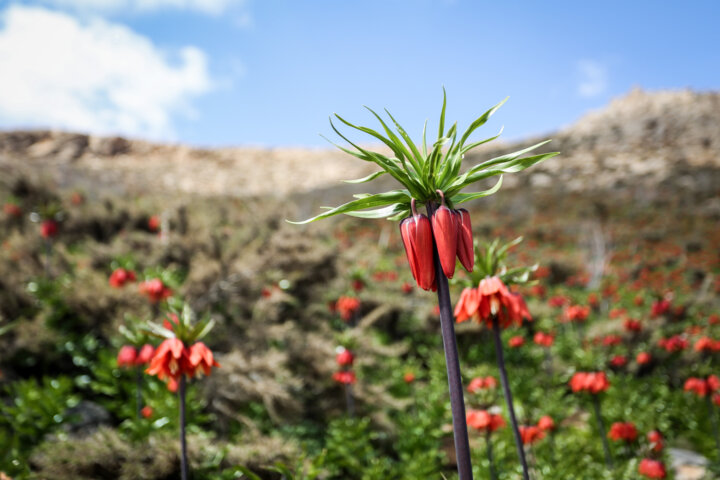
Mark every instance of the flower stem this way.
pixel 713 419
pixel 183 443
pixel 601 427
pixel 349 400
pixel 138 390
pixel 508 396
pixel 457 401
pixel 491 460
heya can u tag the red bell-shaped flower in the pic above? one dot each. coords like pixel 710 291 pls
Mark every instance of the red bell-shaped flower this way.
pixel 445 229
pixel 465 249
pixel 417 238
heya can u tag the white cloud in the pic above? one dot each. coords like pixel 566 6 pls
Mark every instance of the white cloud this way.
pixel 92 76
pixel 210 7
pixel 593 78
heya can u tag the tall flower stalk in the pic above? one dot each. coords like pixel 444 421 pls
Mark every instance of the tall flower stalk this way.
pixel 181 356
pixel 431 176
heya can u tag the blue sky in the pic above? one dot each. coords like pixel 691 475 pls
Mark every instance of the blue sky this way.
pixel 270 72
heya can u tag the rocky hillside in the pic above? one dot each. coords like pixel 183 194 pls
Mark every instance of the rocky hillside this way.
pixel 646 140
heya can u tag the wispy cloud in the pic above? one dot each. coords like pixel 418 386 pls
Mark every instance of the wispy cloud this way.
pixel 593 78
pixel 92 75
pixel 210 7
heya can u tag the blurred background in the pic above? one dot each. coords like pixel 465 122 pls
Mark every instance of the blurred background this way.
pixel 173 138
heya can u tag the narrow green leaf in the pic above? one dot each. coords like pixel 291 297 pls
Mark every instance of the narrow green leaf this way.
pixel 400 150
pixel 424 140
pixel 370 177
pixel 380 212
pixel 441 126
pixel 376 200
pixel 465 197
pixel 479 122
pixel 407 138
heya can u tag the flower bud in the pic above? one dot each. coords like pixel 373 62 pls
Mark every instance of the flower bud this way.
pixel 445 229
pixel 465 248
pixel 416 234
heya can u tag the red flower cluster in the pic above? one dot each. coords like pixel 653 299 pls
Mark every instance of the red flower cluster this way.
pixel 611 340
pixel 702 387
pixel 632 325
pixel 155 290
pixel 707 344
pixel 589 382
pixel 558 301
pixel 484 421
pixel 651 468
pixel 491 298
pixel 575 313
pixel 452 232
pixel 172 359
pixel 656 440
pixel 128 356
pixel 618 361
pixel 516 341
pixel 48 228
pixel 643 358
pixel 531 434
pixel 479 383
pixel 347 306
pixel 546 423
pixel 119 277
pixel 661 307
pixel 544 339
pixel 673 344
pixel 623 431
pixel 154 223
pixel 11 210
pixel 346 377
pixel 344 357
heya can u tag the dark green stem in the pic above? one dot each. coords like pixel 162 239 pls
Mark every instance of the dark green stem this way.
pixel 601 428
pixel 138 390
pixel 491 460
pixel 713 420
pixel 508 396
pixel 183 443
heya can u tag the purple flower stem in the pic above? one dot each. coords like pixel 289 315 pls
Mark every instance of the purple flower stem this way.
pixel 452 362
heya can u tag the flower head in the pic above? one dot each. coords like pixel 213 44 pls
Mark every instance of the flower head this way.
pixel 119 277
pixel 170 361
pixel 347 307
pixel 546 423
pixel 491 299
pixel 623 431
pixel 346 377
pixel 482 383
pixel 651 468
pixel 482 420
pixel 344 357
pixel 155 290
pixel 531 434
pixel 544 339
pixel 126 356
pixel 589 382
pixel 516 341
pixel 201 359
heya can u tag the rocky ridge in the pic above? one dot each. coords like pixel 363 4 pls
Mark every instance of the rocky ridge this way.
pixel 650 140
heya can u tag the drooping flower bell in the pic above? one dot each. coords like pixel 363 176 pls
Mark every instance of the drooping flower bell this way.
pixel 120 276
pixel 170 362
pixel 201 359
pixel 483 420
pixel 465 247
pixel 127 356
pixel 445 231
pixel 344 357
pixel 48 228
pixel 417 238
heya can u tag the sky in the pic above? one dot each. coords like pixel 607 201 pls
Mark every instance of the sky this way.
pixel 270 72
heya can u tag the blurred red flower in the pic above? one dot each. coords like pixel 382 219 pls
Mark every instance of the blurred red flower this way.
pixel 643 358
pixel 558 301
pixel 409 377
pixel 491 298
pixel 516 341
pixel 656 440
pixel 48 228
pixel 119 277
pixel 344 357
pixel 544 339
pixel 171 360
pixel 145 354
pixel 154 223
pixel 632 325
pixel 611 340
pixel 346 377
pixel 482 383
pixel 12 210
pixel 201 359
pixel 146 411
pixel 155 290
pixel 673 344
pixel 623 431
pixel 126 356
pixel 575 313
pixel 531 434
pixel 347 307
pixel 482 420
pixel 618 361
pixel 651 468
pixel 546 423
pixel 702 387
pixel 589 382
pixel 660 307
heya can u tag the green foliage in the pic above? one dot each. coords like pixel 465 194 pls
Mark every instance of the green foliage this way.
pixel 422 170
pixel 36 409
